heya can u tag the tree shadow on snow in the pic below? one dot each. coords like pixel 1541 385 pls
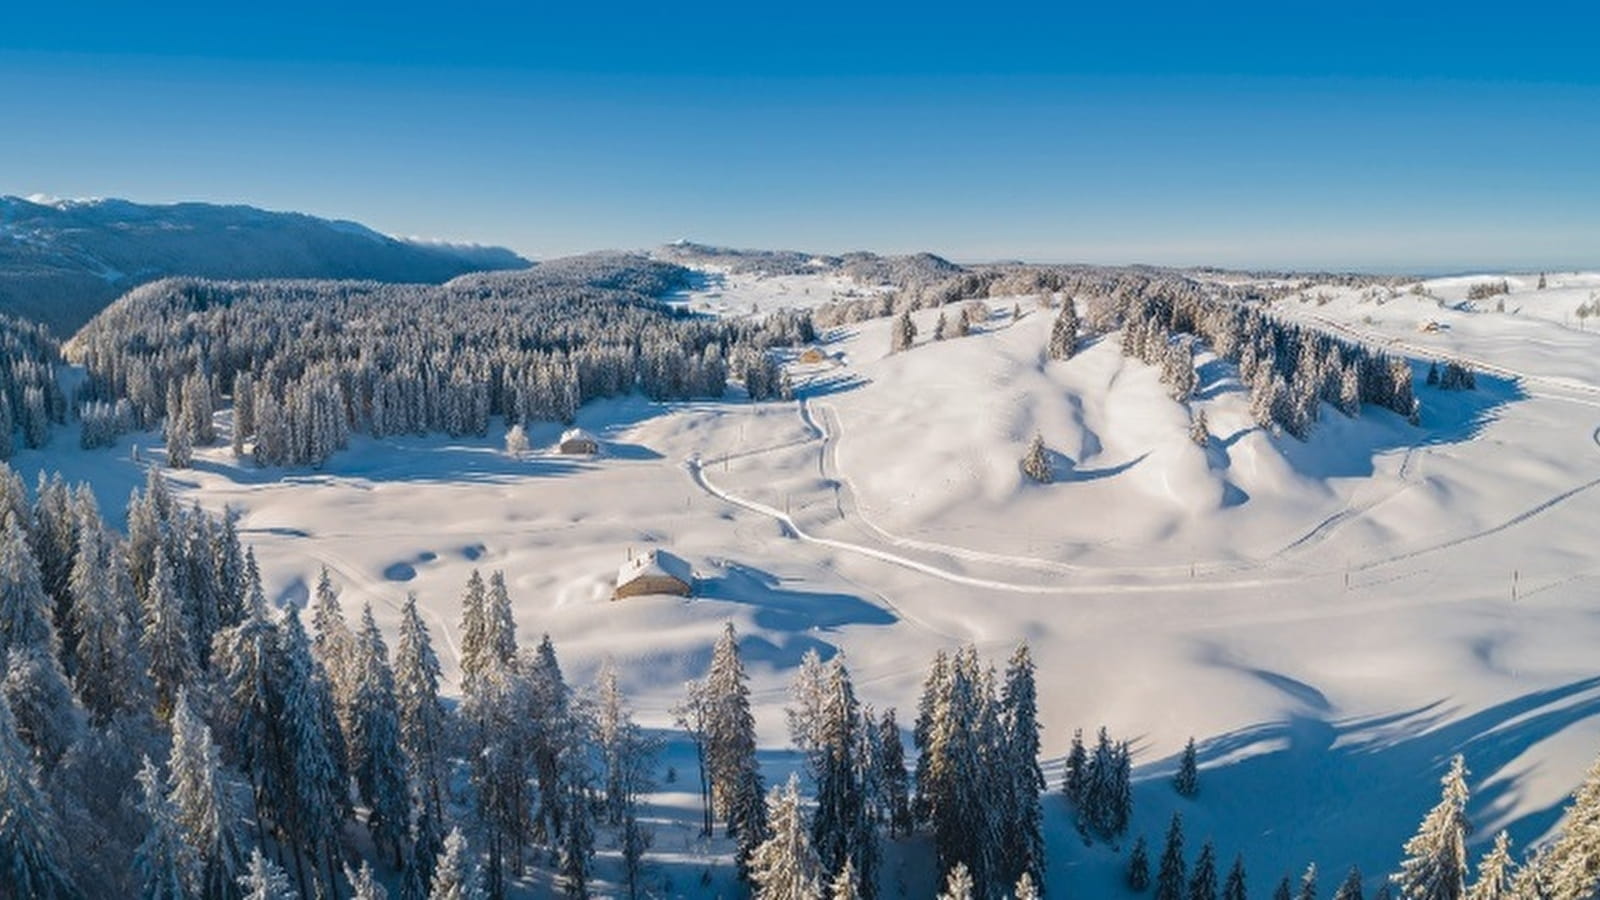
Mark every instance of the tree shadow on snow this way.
pixel 1283 792
pixel 1066 470
pixel 781 609
pixel 1341 447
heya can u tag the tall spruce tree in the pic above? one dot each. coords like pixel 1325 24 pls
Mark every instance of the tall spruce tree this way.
pixel 1435 867
pixel 1187 781
pixel 1203 879
pixel 841 830
pixel 1170 875
pixel 1234 888
pixel 165 641
pixel 784 866
pixel 317 789
pixel 33 856
pixel 455 876
pixel 1496 872
pixel 377 759
pixel 958 884
pixel 422 716
pixel 893 780
pixel 264 880
pixel 1022 829
pixel 1350 888
pixel 731 745
pixel 1308 884
pixel 1064 331
pixel 1138 871
pixel 164 863
pixel 203 803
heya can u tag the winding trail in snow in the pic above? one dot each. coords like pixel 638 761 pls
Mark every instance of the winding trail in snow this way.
pixel 1161 579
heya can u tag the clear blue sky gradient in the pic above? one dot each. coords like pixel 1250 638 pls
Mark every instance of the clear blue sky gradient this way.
pixel 1438 138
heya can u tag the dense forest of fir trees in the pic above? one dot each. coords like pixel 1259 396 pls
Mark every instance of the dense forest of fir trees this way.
pixel 305 364
pixel 167 732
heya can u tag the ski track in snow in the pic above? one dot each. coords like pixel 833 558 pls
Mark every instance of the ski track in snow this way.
pixel 354 575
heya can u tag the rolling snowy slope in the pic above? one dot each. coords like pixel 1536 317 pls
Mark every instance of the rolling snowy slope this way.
pixel 1331 619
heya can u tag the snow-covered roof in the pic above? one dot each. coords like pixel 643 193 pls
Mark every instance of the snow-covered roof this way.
pixel 654 563
pixel 578 434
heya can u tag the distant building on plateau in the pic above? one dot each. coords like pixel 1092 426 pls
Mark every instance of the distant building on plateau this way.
pixel 653 572
pixel 577 442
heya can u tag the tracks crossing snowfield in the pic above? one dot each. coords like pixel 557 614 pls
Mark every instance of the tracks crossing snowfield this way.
pixel 1155 579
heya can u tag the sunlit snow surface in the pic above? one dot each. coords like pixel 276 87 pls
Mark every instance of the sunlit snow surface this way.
pixel 1330 619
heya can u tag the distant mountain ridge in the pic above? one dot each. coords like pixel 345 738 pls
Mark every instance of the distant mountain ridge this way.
pixel 62 261
pixel 868 268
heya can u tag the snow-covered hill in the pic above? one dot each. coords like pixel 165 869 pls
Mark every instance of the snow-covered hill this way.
pixel 1331 619
pixel 61 261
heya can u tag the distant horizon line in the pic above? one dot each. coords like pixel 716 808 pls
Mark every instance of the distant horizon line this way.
pixel 1454 270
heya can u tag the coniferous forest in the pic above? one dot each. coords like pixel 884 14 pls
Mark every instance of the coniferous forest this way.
pixel 210 743
pixel 166 731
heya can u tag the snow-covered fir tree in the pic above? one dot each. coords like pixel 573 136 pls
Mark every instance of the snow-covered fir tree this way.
pixel 316 787
pixel 1064 331
pixel 363 884
pixel 735 779
pixel 455 875
pixel 1022 823
pixel 1187 780
pixel 785 866
pixel 552 726
pixel 1308 884
pixel 107 663
pixel 376 757
pixel 501 624
pixel 892 779
pixel 165 641
pixel 1075 769
pixel 164 863
pixel 334 646
pixel 1036 461
pixel 34 860
pixel 1435 864
pixel 842 833
pixel 1137 873
pixel 902 334
pixel 1496 872
pixel 1350 888
pixel 1234 888
pixel 517 445
pixel 202 802
pixel 958 884
pixel 1170 875
pixel 577 833
pixel 1203 878
pixel 422 715
pixel 808 694
pixel 265 880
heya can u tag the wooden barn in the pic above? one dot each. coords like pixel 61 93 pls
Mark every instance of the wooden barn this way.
pixel 577 442
pixel 653 572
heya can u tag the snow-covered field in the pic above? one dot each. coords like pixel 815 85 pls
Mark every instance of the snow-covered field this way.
pixel 1330 619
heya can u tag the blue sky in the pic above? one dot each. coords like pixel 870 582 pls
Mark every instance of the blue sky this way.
pixel 1352 136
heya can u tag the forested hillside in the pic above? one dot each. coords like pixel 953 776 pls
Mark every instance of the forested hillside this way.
pixel 63 261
